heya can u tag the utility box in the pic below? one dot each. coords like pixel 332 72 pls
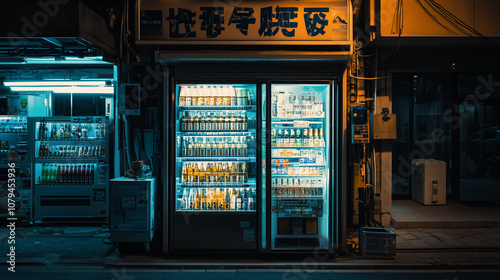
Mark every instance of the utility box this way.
pixel 131 210
pixel 377 242
pixel 429 181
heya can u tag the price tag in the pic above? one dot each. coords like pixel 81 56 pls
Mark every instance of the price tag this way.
pixel 300 124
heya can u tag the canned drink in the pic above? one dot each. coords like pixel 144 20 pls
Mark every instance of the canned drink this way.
pixel 290 191
pixel 273 182
pixel 279 191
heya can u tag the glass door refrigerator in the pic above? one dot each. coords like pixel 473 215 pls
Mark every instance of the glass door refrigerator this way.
pixel 297 163
pixel 214 185
pixel 70 168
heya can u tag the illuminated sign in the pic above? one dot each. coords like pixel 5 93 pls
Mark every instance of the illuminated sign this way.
pixel 233 22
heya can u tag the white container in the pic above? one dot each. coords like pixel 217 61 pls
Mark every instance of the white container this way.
pixel 429 181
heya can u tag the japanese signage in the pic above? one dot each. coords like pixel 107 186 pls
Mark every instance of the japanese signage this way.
pixel 242 21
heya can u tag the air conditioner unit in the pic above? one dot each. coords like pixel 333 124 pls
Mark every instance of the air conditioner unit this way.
pixel 429 181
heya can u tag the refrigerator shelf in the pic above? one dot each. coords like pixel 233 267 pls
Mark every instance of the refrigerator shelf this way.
pixel 275 123
pixel 217 108
pixel 70 160
pixel 300 176
pixel 215 211
pixel 291 235
pixel 70 140
pixel 298 118
pixel 297 147
pixel 218 185
pixel 306 164
pixel 64 185
pixel 216 159
pixel 215 133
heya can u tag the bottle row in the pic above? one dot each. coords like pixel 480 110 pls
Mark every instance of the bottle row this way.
pixel 13 124
pixel 70 151
pixel 67 131
pixel 214 96
pixel 295 182
pixel 286 105
pixel 199 173
pixel 317 153
pixel 81 174
pixel 215 147
pixel 217 199
pixel 297 137
pixel 299 209
pixel 281 167
pixel 297 192
pixel 215 121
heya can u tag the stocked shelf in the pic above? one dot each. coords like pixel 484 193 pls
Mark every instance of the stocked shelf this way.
pixel 298 176
pixel 70 160
pixel 218 108
pixel 297 147
pixel 296 198
pixel 216 211
pixel 216 159
pixel 215 133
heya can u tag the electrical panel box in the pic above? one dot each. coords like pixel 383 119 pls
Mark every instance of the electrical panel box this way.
pixel 384 126
pixel 360 131
pixel 132 210
pixel 429 181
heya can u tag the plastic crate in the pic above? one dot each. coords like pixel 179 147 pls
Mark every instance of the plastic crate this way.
pixel 377 242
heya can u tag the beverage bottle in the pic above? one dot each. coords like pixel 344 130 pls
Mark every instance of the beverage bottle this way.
pixel 190 173
pixel 232 204
pixel 273 137
pixel 227 97
pixel 208 174
pixel 232 124
pixel 103 130
pixel 97 131
pixel 292 137
pixel 53 131
pixel 184 147
pixel 190 122
pixel 194 96
pixel 244 126
pixel 279 138
pixel 239 122
pixel 219 97
pixel 202 149
pixel 190 201
pixel 203 200
pixel 316 138
pixel 297 110
pixel 251 200
pixel 305 138
pixel 203 122
pixel 215 175
pixel 227 122
pixel 239 201
pixel 303 106
pixel 197 199
pixel 188 97
pixel 58 175
pixel 239 149
pixel 234 173
pixel 184 173
pixel 227 200
pixel 232 95
pixel 182 96
pixel 183 122
pixel 196 174
pixel 289 106
pixel 210 96
pixel 203 174
pixel 85 133
pixel 202 97
pixel 274 103
pixel 196 150
pixel 209 199
pixel 196 125
pixel 232 148
pixel 244 171
pixel 220 173
pixel 220 148
pixel 208 149
pixel 286 138
pixel 190 149
pixel 226 149
pixel 321 138
pixel 220 200
pixel 245 147
pixel 184 200
pixel 227 173
pixel 220 123
pixel 311 137
pixel 214 148
pixel 309 106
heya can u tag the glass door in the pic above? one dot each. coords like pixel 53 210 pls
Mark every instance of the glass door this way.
pixel 299 166
pixel 216 160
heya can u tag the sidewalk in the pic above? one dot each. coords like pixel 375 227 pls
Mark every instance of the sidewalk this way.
pixel 416 248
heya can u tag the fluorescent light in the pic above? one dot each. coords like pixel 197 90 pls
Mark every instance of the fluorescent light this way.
pixel 54 83
pixel 67 89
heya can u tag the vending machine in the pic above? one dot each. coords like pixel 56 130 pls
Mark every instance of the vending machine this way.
pixel 70 168
pixel 297 166
pixel 15 185
pixel 215 180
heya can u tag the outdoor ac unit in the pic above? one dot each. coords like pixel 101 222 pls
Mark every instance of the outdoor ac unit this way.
pixel 429 181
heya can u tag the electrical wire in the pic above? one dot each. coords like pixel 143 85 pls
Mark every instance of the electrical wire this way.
pixel 433 17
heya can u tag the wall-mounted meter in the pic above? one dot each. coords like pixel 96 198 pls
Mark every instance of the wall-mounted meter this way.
pixel 360 131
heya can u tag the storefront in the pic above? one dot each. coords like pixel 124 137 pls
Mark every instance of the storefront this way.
pixel 253 123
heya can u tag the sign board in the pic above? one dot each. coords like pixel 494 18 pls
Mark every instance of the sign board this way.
pixel 243 22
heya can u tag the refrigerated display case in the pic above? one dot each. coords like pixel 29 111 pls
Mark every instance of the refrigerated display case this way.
pixel 215 167
pixel 297 169
pixel 70 168
pixel 14 150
